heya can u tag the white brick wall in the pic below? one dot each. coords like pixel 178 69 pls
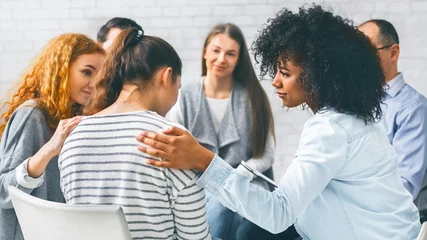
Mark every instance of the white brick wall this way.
pixel 26 25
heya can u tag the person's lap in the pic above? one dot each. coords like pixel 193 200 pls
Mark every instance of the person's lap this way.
pixel 248 231
pixel 222 221
pixel 227 225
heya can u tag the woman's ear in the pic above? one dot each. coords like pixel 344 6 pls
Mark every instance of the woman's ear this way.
pixel 166 76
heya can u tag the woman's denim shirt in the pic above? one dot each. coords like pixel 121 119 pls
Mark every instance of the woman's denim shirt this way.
pixel 342 184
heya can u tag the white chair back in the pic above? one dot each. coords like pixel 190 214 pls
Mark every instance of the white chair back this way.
pixel 40 219
pixel 423 232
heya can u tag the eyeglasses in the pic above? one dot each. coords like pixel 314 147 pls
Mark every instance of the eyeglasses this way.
pixel 381 48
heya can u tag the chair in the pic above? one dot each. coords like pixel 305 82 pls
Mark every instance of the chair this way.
pixel 40 219
pixel 423 232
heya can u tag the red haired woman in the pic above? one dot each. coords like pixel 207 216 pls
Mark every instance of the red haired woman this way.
pixel 56 87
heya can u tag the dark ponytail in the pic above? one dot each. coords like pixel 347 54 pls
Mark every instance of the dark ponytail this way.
pixel 133 58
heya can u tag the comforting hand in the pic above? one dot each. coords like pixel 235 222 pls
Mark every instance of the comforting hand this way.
pixel 37 164
pixel 54 145
pixel 177 147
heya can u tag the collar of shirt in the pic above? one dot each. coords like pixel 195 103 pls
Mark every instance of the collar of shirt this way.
pixel 394 85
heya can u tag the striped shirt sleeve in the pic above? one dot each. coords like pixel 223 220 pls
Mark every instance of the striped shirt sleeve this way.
pixel 190 213
pixel 188 204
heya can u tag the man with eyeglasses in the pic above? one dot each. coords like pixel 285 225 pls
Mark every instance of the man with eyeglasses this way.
pixel 404 112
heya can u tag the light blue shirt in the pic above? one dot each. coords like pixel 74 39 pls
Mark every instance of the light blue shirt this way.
pixel 405 123
pixel 343 184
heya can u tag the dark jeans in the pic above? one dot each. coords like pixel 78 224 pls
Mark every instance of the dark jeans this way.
pixel 248 231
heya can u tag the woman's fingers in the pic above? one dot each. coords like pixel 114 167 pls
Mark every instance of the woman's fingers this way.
pixel 153 152
pixel 153 143
pixel 174 131
pixel 154 136
pixel 71 124
pixel 163 164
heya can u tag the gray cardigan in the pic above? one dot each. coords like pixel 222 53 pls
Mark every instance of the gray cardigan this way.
pixel 26 132
pixel 233 142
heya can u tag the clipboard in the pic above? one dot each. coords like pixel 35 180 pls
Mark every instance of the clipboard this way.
pixel 258 174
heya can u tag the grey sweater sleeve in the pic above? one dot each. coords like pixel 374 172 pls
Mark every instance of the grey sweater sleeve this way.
pixel 26 132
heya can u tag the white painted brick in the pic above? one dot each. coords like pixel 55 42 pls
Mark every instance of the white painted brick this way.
pixel 123 3
pixel 11 36
pixel 200 3
pixel 191 54
pixel 4 88
pixel 242 20
pixel 191 32
pixel 44 25
pixel 7 25
pixel 204 31
pixel 82 3
pixel 12 4
pixel 232 10
pixel 32 4
pixel 147 11
pixel 417 19
pixel 228 2
pixel 167 3
pixel 358 7
pixel 399 7
pixel 42 35
pixel 50 14
pixel 381 6
pixel 55 4
pixel 5 14
pixel 106 13
pixel 163 33
pixel 195 43
pixel 258 9
pixel 76 13
pixel 74 25
pixel 171 11
pixel 205 22
pixel 23 25
pixel 18 46
pixel 162 22
pixel 196 11
pixel 419 6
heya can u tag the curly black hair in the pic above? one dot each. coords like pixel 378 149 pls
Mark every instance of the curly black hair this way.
pixel 340 65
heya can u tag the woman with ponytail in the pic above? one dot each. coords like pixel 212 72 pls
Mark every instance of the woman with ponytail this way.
pixel 229 113
pixel 100 163
pixel 38 118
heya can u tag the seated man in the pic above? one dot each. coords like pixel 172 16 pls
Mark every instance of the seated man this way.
pixel 405 112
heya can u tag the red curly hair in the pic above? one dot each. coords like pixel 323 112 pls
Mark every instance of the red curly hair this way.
pixel 47 81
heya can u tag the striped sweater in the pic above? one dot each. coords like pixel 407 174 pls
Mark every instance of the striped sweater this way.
pixel 100 164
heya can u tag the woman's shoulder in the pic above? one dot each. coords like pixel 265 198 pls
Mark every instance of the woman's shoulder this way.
pixel 29 110
pixel 349 124
pixel 28 117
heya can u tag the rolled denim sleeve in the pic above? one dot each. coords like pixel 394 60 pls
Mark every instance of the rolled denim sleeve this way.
pixel 321 154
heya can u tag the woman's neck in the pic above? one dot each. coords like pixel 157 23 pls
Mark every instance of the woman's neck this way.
pixel 218 88
pixel 131 100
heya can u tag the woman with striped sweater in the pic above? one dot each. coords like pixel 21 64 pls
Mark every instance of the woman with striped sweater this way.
pixel 100 164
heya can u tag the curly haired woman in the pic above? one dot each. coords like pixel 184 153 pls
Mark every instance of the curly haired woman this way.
pixel 344 182
pixel 57 87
